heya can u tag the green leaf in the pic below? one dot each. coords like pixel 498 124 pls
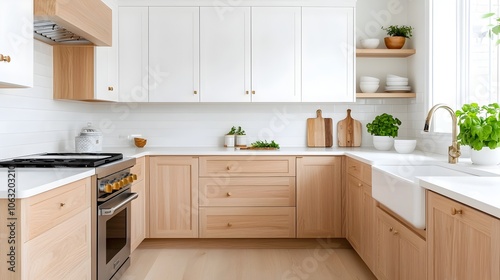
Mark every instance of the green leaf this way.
pixel 488 15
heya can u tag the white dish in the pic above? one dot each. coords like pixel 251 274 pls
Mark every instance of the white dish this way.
pixel 397 83
pixel 369 83
pixel 398 88
pixel 391 76
pixel 404 146
pixel 371 43
pixel 368 79
pixel 368 88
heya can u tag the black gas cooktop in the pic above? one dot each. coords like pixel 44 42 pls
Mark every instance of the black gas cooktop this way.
pixel 63 160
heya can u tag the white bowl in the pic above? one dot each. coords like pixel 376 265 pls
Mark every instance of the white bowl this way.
pixel 404 146
pixel 391 76
pixel 369 83
pixel 368 88
pixel 383 143
pixel 396 80
pixel 371 43
pixel 368 79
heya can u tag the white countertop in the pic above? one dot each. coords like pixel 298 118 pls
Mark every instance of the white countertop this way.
pixel 478 192
pixel 33 181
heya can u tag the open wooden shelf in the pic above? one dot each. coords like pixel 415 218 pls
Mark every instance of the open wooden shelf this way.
pixel 387 95
pixel 385 52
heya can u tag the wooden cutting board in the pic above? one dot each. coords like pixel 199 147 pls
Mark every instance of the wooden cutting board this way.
pixel 319 131
pixel 349 132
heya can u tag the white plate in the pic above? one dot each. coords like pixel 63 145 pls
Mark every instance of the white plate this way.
pixel 397 83
pixel 398 88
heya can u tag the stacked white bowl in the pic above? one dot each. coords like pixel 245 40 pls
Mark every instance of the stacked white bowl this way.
pixel 396 84
pixel 368 84
pixel 370 43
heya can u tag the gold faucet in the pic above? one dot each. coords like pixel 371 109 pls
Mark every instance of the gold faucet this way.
pixel 454 149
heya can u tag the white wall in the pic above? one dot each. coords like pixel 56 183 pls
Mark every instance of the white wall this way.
pixel 31 121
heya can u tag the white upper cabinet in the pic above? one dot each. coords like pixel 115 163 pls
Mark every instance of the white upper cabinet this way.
pixel 133 54
pixel 174 56
pixel 106 62
pixel 328 54
pixel 225 55
pixel 276 52
pixel 16 43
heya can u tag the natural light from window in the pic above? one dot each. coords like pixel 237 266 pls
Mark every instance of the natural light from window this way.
pixel 464 59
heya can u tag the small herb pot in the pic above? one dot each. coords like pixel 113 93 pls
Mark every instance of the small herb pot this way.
pixel 229 140
pixel 485 156
pixel 394 42
pixel 241 140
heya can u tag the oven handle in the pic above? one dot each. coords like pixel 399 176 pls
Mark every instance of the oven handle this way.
pixel 111 211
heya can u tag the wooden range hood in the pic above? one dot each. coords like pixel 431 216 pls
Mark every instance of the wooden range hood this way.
pixel 73 22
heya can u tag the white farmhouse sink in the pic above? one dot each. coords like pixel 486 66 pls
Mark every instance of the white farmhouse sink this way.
pixel 398 189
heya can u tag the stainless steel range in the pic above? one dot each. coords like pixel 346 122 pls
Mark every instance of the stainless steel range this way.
pixel 111 205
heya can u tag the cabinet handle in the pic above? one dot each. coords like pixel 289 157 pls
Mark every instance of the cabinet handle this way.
pixel 247 92
pixel 62 204
pixel 5 58
pixel 360 185
pixel 454 211
pixel 110 88
pixel 195 92
pixel 253 91
pixel 228 168
pixel 228 194
pixel 229 224
pixel 395 232
pixel 391 229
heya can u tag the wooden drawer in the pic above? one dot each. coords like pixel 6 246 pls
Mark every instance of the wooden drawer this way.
pixel 247 191
pixel 247 222
pixel 139 169
pixel 46 210
pixel 359 170
pixel 60 251
pixel 247 166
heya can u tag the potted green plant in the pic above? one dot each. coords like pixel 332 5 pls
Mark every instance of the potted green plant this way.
pixel 383 128
pixel 229 138
pixel 480 129
pixel 397 36
pixel 241 138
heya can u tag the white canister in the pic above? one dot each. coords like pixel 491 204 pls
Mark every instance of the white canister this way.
pixel 89 140
pixel 229 140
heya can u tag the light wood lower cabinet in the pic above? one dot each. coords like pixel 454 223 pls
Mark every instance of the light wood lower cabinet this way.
pixel 51 236
pixel 360 211
pixel 173 197
pixel 401 253
pixel 247 222
pixel 247 197
pixel 463 243
pixel 319 197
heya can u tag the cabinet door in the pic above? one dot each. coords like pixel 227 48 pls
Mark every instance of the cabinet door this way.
pixel 173 196
pixel 387 258
pixel 133 54
pixel 225 55
pixel 138 215
pixel 106 62
pixel 16 43
pixel 276 51
pixel 319 197
pixel 174 54
pixel 355 213
pixel 462 245
pixel 368 234
pixel 328 54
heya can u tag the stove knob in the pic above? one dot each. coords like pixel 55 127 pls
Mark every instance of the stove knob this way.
pixel 123 182
pixel 108 188
pixel 131 178
pixel 116 186
pixel 135 176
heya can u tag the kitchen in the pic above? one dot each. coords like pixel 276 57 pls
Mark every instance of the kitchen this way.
pixel 35 122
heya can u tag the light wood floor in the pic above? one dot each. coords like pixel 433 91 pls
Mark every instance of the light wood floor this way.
pixel 252 259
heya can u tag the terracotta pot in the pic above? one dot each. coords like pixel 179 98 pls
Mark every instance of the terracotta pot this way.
pixel 395 42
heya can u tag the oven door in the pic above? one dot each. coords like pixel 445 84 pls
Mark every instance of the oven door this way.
pixel 113 235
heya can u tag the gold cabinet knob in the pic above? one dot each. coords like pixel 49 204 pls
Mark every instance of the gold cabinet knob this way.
pixel 195 92
pixel 247 92
pixel 4 58
pixel 391 229
pixel 62 204
pixel 253 91
pixel 228 167
pixel 108 188
pixel 455 211
pixel 228 194
pixel 395 232
pixel 110 88
pixel 229 224
pixel 360 185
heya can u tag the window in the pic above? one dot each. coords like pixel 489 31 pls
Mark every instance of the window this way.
pixel 465 62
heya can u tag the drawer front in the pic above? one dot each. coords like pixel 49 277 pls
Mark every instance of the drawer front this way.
pixel 247 166
pixel 46 210
pixel 139 169
pixel 247 191
pixel 359 170
pixel 247 222
pixel 61 251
